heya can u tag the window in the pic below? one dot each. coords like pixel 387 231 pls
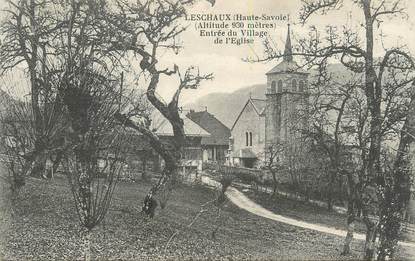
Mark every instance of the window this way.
pixel 246 139
pixel 280 86
pixel 210 154
pixel 294 85
pixel 250 138
pixel 191 153
pixel 220 154
pixel 301 86
pixel 273 87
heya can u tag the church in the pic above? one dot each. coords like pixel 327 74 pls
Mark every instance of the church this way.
pixel 277 120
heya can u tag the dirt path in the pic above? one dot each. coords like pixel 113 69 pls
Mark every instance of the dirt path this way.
pixel 243 202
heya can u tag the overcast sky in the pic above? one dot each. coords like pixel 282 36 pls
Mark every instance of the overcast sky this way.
pixel 225 61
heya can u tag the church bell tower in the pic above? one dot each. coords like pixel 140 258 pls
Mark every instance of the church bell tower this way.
pixel 286 100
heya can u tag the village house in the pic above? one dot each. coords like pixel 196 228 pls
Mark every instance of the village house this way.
pixel 192 151
pixel 274 121
pixel 207 140
pixel 215 146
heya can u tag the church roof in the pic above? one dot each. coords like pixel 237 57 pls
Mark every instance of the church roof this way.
pixel 287 67
pixel 259 105
pixel 288 51
pixel 219 133
pixel 259 108
pixel 287 64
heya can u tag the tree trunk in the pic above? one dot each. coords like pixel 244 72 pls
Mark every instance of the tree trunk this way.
pixel 349 236
pixel 351 214
pixel 397 190
pixel 274 183
pixel 87 244
pixel 329 202
pixel 171 154
pixel 369 250
pixel 390 221
pixel 373 93
pixel 39 162
pixel 39 166
pixel 57 162
pixel 144 169
pixel 330 190
pixel 163 186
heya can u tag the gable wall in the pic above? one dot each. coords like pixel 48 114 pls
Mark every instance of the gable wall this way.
pixel 249 121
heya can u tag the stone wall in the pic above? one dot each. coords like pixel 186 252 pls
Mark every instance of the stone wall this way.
pixel 249 121
pixel 285 107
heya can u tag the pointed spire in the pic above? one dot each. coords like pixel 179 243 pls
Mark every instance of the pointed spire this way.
pixel 288 52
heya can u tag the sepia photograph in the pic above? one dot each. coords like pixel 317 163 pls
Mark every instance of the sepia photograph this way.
pixel 207 130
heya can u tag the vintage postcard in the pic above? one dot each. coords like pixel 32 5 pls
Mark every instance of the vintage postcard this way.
pixel 207 130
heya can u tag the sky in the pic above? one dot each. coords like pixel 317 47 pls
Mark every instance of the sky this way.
pixel 226 61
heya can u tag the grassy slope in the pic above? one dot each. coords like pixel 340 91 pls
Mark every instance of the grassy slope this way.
pixel 45 226
pixel 301 210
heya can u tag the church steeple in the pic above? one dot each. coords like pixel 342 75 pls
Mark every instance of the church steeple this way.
pixel 288 52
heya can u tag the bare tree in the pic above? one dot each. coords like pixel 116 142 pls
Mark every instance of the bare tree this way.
pixel 356 53
pixel 36 35
pixel 273 163
pixel 152 26
pixel 19 136
pixel 329 107
pixel 25 35
pixel 17 141
pixel 94 157
pixel 74 79
pixel 396 191
pixel 356 132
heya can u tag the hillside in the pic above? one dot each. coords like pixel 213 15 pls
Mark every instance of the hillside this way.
pixel 226 106
pixel 38 230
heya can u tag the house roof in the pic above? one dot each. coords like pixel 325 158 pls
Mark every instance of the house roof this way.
pixel 259 107
pixel 219 132
pixel 163 127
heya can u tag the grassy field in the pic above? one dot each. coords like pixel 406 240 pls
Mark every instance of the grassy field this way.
pixel 301 210
pixel 43 225
pixel 306 211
